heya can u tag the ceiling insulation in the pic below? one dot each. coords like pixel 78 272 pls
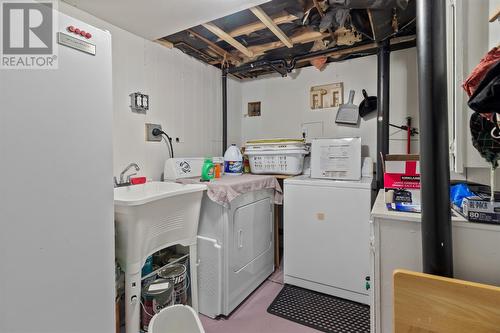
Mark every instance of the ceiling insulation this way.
pixel 284 31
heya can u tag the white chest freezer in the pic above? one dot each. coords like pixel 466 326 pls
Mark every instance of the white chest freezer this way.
pixel 327 236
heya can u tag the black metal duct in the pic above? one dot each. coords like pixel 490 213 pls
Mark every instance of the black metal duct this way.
pixel 383 84
pixel 224 110
pixel 280 66
pixel 434 163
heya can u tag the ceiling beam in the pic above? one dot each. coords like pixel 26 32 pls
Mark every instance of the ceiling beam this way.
pixel 302 37
pixel 214 47
pixel 227 38
pixel 164 42
pixel 258 25
pixel 269 23
pixel 356 49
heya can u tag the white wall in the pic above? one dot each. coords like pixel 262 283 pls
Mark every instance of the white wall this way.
pixel 285 101
pixel 234 96
pixel 185 98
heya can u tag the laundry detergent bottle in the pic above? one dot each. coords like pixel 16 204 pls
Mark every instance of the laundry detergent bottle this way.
pixel 207 170
pixel 233 161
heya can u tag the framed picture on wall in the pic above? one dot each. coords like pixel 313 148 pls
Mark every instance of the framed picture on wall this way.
pixel 254 109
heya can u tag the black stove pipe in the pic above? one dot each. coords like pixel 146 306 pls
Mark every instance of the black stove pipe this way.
pixel 224 110
pixel 383 85
pixel 434 163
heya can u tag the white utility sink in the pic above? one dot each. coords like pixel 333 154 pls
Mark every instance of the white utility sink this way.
pixel 141 194
pixel 150 217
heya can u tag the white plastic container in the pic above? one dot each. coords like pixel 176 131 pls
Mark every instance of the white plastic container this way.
pixel 280 156
pixel 233 161
pixel 176 319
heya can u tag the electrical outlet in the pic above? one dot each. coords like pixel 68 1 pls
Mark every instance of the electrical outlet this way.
pixel 149 132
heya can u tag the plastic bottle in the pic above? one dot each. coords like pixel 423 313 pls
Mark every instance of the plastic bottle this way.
pixel 207 170
pixel 219 166
pixel 233 161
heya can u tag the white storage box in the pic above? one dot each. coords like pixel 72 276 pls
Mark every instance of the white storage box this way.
pixel 336 158
pixel 276 156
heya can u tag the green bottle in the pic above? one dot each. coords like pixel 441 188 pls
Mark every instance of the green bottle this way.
pixel 207 171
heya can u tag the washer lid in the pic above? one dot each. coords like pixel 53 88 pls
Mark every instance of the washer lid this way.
pixel 364 182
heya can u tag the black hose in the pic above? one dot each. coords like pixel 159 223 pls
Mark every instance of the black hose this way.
pixel 171 148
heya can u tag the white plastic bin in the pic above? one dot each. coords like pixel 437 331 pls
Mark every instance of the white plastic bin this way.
pixel 276 156
pixel 176 319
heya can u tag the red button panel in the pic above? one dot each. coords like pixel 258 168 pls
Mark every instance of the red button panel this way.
pixel 77 31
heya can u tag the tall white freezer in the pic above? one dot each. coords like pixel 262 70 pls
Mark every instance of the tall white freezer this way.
pixel 56 192
pixel 327 236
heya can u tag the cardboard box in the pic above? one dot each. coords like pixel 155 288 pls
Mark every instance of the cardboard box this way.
pixel 402 182
pixel 336 158
pixel 480 209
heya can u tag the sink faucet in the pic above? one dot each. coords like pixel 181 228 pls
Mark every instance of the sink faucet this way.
pixel 122 182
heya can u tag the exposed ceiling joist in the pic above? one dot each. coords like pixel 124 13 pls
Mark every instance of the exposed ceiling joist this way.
pixel 299 38
pixel 283 31
pixel 165 43
pixel 269 23
pixel 227 38
pixel 215 48
pixel 361 48
pixel 256 26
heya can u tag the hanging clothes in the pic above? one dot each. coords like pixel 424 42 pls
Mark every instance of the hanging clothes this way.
pixel 486 97
pixel 478 73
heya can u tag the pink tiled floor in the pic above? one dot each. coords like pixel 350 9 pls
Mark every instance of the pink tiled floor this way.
pixel 252 316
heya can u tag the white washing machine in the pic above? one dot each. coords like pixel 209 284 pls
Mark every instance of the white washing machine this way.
pixel 327 236
pixel 235 243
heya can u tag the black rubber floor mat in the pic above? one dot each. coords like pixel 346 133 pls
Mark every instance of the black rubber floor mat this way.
pixel 319 311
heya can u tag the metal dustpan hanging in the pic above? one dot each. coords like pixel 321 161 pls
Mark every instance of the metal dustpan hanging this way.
pixel 348 112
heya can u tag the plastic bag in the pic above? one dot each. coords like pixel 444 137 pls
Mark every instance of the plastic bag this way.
pixel 458 193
